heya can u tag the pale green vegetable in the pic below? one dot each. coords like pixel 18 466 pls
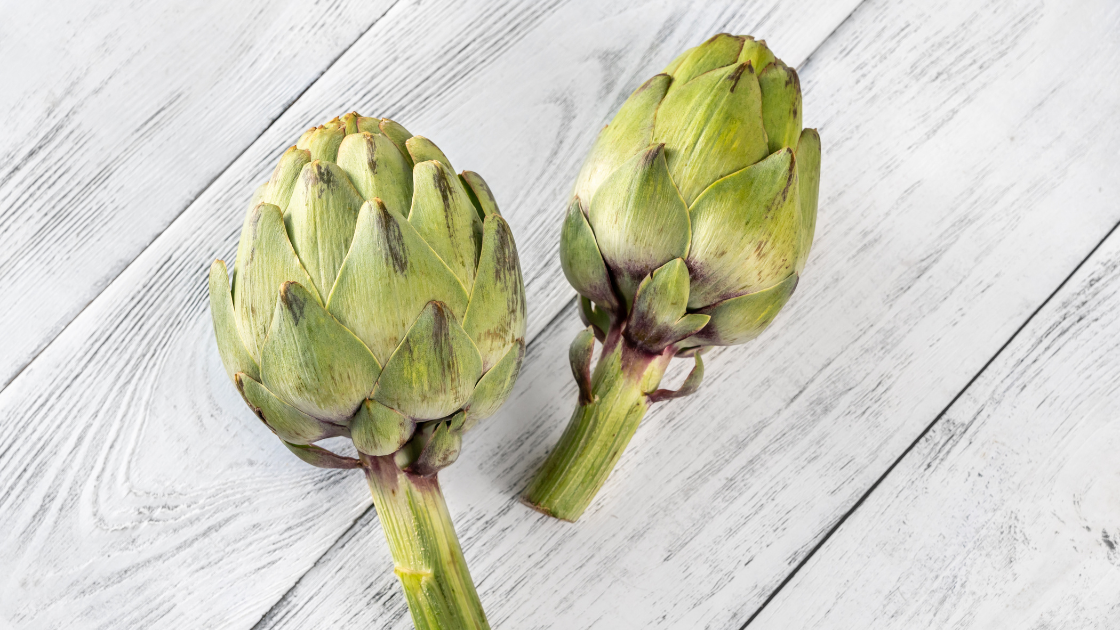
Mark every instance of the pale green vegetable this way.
pixel 378 296
pixel 689 226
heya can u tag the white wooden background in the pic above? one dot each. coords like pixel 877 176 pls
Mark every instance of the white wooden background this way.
pixel 927 436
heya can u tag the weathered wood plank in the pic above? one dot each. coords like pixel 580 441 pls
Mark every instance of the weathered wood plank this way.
pixel 117 116
pixel 1005 515
pixel 135 488
pixel 965 176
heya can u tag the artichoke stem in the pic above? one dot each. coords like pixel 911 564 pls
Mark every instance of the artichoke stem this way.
pixel 599 431
pixel 426 552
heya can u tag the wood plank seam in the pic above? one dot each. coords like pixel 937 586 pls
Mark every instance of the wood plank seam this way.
pixel 201 192
pixel 840 522
pixel 562 312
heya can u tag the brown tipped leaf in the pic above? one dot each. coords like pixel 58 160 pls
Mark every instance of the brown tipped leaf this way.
pixel 235 356
pixel 719 51
pixel 287 422
pixel 388 278
pixel 265 260
pixel 314 363
pixel 746 231
pixel 445 218
pixel 629 132
pixel 377 170
pixel 711 127
pixel 781 105
pixel 639 219
pixel 495 317
pixel 433 371
pixel 321 218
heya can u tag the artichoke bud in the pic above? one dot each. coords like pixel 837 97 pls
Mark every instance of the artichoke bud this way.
pixel 704 186
pixel 376 295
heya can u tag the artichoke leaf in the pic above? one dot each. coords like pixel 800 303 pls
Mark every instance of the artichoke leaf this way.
pixel 719 51
pixel 581 259
pixel 711 127
pixel 595 317
pixel 445 218
pixel 389 275
pixel 658 318
pixel 312 362
pixel 746 231
pixel 377 170
pixel 399 135
pixel 433 371
pixel 324 141
pixel 639 220
pixel 756 53
pixel 278 190
pixel 494 387
pixel 370 125
pixel 235 356
pixel 781 105
pixel 287 422
pixel 350 122
pixel 321 218
pixel 480 194
pixel 320 457
pixel 671 69
pixel 740 319
pixel 579 357
pixel 265 260
pixel 378 430
pixel 629 132
pixel 495 317
pixel 688 388
pixel 422 150
pixel 808 158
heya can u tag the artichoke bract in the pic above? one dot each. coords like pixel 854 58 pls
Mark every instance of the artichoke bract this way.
pixel 689 226
pixel 378 296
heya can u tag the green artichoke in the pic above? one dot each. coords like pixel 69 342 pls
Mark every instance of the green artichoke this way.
pixel 378 296
pixel 689 226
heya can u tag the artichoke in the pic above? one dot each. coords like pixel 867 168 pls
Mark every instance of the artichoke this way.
pixel 689 225
pixel 378 296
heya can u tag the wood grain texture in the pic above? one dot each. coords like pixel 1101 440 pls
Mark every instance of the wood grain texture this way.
pixel 136 490
pixel 1005 515
pixel 117 115
pixel 954 202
